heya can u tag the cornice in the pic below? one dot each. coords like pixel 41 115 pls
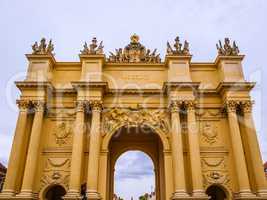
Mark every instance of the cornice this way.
pixel 181 85
pixel 33 85
pixel 134 91
pixel 235 86
pixel 100 57
pixel 41 57
pixel 90 84
pixel 177 57
pixel 236 58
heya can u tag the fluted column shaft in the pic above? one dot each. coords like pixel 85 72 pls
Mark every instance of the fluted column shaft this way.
pixel 17 150
pixel 177 152
pixel 238 151
pixel 77 153
pixel 94 152
pixel 33 150
pixel 254 149
pixel 194 150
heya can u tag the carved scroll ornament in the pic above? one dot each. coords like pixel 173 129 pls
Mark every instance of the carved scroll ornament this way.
pixel 157 119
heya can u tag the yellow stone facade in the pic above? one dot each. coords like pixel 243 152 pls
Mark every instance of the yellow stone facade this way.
pixel 193 119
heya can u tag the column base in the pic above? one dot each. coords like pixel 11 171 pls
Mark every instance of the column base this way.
pixel 245 195
pixel 199 194
pixel 180 194
pixel 72 195
pixel 262 194
pixel 93 195
pixel 7 194
pixel 26 195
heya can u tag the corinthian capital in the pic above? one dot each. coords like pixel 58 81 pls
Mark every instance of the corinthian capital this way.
pixel 39 106
pixel 247 106
pixel 96 105
pixel 23 105
pixel 80 106
pixel 175 105
pixel 231 105
pixel 190 104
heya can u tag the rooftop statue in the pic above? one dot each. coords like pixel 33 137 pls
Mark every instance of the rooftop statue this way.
pixel 134 52
pixel 93 48
pixel 178 48
pixel 43 48
pixel 227 49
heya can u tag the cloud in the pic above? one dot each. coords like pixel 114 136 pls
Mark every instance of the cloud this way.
pixel 133 165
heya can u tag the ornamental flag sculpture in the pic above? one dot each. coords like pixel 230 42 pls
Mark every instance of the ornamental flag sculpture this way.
pixel 135 52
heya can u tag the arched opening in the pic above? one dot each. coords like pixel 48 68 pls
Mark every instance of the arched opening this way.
pixel 134 175
pixel 216 192
pixel 55 192
pixel 145 141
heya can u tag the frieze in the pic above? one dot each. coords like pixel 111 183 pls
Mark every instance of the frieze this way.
pixel 158 119
pixel 61 113
pixel 209 113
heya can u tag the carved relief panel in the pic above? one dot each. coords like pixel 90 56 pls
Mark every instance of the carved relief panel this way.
pixel 56 171
pixel 117 117
pixel 215 170
pixel 59 128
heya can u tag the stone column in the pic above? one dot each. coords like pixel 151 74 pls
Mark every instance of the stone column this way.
pixel 16 151
pixel 77 154
pixel 194 152
pixel 33 151
pixel 254 150
pixel 94 151
pixel 168 172
pixel 177 153
pixel 238 151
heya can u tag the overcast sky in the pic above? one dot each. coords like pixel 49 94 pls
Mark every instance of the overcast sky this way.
pixel 70 23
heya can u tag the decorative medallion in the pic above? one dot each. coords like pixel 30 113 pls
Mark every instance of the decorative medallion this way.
pixel 215 177
pixel 209 132
pixel 134 52
pixel 62 133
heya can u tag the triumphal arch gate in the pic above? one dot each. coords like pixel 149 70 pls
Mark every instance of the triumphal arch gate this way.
pixel 192 118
